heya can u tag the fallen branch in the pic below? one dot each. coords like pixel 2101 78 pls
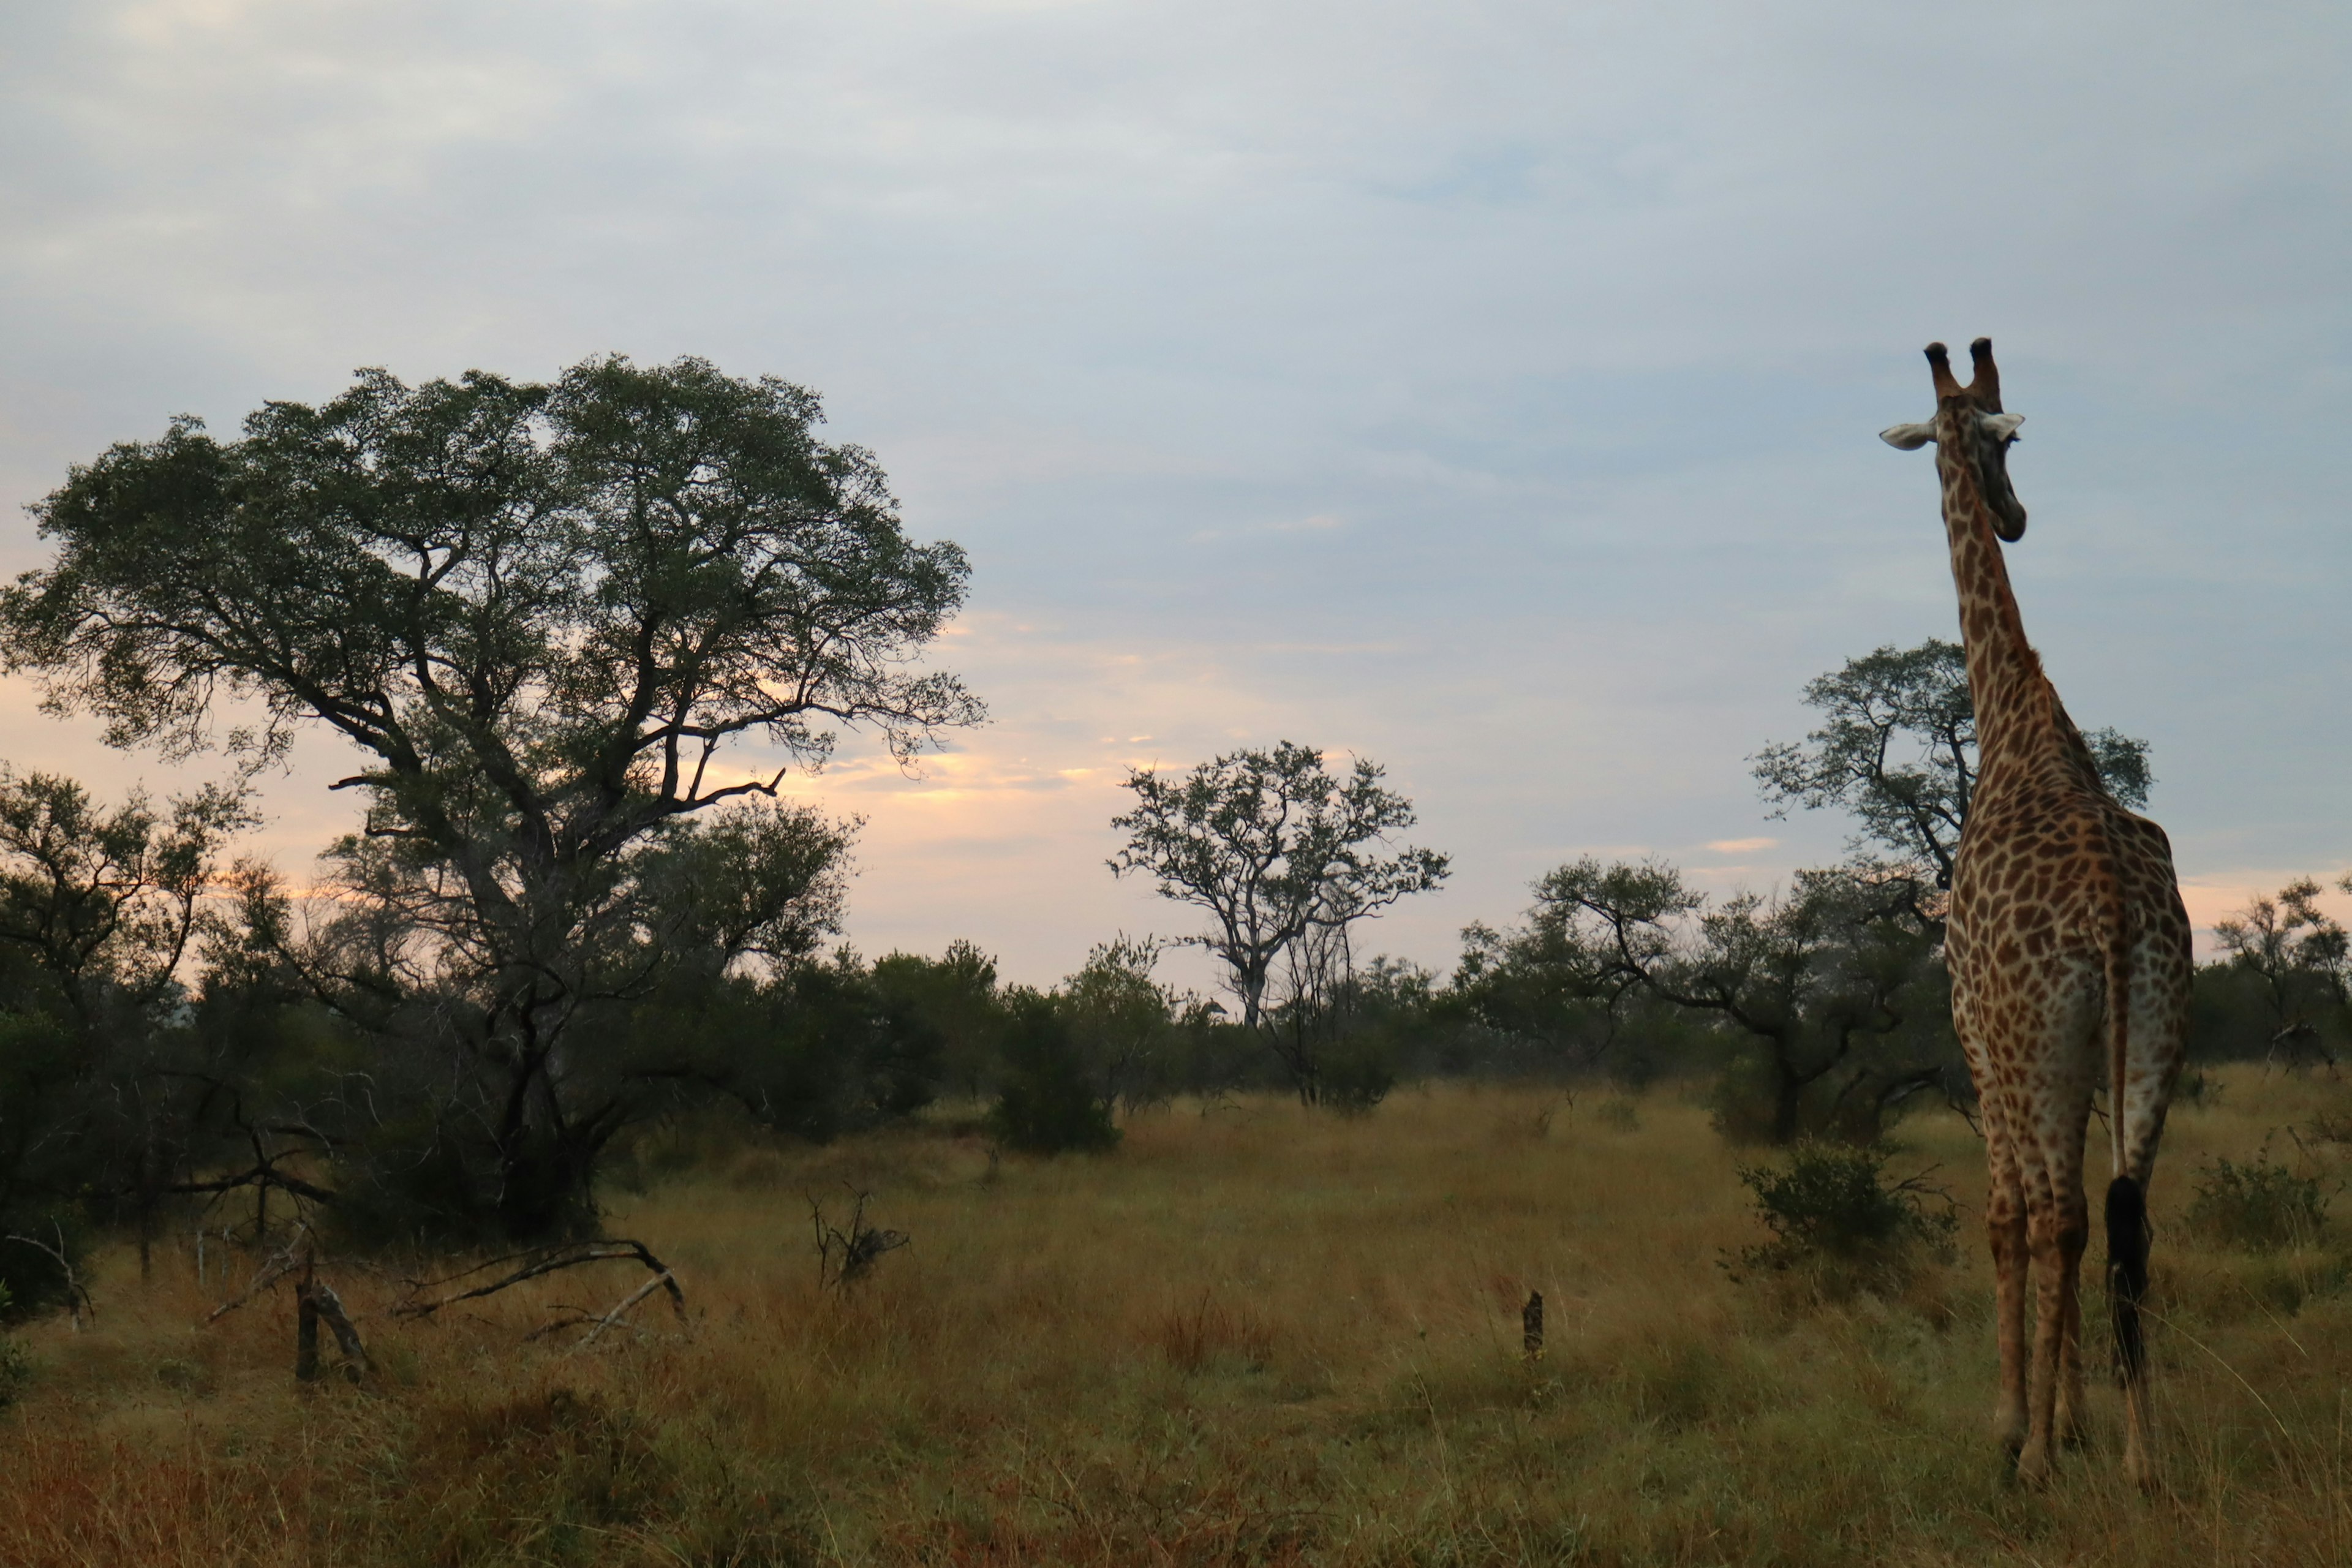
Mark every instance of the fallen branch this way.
pixel 617 1313
pixel 292 1255
pixel 549 1261
pixel 77 1293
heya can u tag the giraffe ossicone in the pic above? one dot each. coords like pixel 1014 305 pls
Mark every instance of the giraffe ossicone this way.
pixel 2069 952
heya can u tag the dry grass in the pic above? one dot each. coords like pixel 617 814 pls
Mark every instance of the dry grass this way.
pixel 1252 1335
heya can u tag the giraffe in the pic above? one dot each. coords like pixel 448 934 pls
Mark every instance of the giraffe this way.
pixel 2069 959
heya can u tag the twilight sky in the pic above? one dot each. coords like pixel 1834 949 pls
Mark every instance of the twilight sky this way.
pixel 1486 388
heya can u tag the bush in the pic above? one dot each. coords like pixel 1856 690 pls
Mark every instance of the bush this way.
pixel 1834 1216
pixel 1049 1103
pixel 1356 1074
pixel 31 1280
pixel 2257 1207
pixel 15 1362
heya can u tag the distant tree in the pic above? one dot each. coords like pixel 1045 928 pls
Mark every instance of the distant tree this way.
pixel 1123 1021
pixel 1284 858
pixel 1049 1102
pixel 956 995
pixel 1535 986
pixel 2298 953
pixel 546 615
pixel 107 901
pixel 1898 750
pixel 1319 1027
pixel 863 1052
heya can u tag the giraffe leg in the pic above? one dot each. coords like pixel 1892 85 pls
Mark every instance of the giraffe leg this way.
pixel 2158 1027
pixel 2065 1166
pixel 2072 1407
pixel 2056 1229
pixel 2005 1224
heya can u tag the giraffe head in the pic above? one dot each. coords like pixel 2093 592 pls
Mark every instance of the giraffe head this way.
pixel 1970 430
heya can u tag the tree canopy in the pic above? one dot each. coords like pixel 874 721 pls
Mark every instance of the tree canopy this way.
pixel 1272 848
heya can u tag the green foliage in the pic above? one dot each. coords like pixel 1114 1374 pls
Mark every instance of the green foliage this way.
pixel 109 1096
pixel 1049 1103
pixel 15 1362
pixel 2257 1206
pixel 880 1052
pixel 1618 1114
pixel 1835 1216
pixel 1535 992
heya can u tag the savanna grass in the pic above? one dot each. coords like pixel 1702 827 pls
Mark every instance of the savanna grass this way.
pixel 1253 1334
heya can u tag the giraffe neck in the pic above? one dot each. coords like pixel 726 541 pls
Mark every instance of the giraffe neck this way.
pixel 2020 724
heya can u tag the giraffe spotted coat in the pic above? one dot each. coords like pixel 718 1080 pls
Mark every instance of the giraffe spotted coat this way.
pixel 2069 959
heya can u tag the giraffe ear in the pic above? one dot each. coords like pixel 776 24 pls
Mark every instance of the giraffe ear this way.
pixel 2003 427
pixel 1908 438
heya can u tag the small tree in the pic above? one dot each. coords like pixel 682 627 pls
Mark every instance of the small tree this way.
pixel 2298 955
pixel 1898 749
pixel 1834 1216
pixel 1122 1021
pixel 1807 982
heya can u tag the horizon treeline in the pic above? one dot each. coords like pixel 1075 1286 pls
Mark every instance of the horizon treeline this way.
pixel 544 613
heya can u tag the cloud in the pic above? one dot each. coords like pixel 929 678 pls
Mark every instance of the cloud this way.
pixel 1488 390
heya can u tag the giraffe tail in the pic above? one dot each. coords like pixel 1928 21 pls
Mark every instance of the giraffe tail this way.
pixel 2127 1233
pixel 2128 1274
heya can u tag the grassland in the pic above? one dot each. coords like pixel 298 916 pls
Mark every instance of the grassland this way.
pixel 1253 1334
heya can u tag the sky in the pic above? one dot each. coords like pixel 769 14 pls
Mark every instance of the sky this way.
pixel 1486 389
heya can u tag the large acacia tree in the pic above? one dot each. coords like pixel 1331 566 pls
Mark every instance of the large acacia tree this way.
pixel 551 618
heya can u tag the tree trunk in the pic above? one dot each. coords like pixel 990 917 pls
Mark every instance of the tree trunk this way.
pixel 1788 1098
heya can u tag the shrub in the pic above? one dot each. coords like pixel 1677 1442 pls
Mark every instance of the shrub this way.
pixel 2258 1206
pixel 15 1362
pixel 1356 1074
pixel 1834 1216
pixel 32 1280
pixel 1049 1103
pixel 16 1369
